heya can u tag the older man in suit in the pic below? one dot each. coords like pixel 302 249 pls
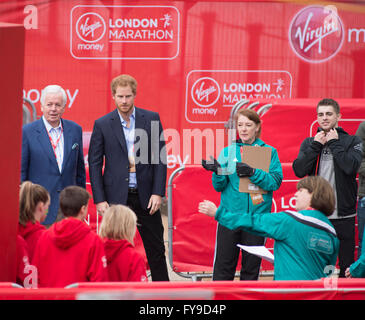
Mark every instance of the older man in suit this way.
pixel 52 151
pixel 130 141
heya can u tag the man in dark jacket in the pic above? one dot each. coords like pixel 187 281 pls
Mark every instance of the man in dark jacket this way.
pixel 336 156
pixel 361 204
pixel 127 165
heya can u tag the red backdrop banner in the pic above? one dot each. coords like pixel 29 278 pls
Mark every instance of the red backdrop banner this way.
pixel 194 60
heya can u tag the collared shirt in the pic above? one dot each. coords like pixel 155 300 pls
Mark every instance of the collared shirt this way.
pixel 56 135
pixel 129 134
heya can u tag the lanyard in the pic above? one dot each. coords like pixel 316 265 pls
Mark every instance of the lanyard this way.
pixel 54 145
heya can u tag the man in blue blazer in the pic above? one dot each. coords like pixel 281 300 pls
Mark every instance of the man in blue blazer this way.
pixel 129 143
pixel 52 151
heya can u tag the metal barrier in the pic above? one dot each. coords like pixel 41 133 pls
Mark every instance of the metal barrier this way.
pixel 10 285
pixel 230 125
pixel 331 288
pixel 191 235
pixel 29 111
pixel 194 276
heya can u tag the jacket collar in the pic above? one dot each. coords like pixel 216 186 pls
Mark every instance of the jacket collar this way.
pixel 338 129
pixel 257 142
pixel 43 139
pixel 117 128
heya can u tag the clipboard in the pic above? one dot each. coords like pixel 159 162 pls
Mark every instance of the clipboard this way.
pixel 256 157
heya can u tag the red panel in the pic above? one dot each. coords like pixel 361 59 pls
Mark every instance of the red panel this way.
pixel 324 289
pixel 11 84
pixel 193 233
pixel 193 236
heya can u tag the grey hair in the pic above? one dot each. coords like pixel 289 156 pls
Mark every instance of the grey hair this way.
pixel 54 88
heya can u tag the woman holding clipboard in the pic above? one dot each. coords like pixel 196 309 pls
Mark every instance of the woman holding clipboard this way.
pixel 227 172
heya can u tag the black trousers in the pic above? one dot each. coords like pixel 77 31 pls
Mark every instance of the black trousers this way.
pixel 227 254
pixel 151 230
pixel 345 229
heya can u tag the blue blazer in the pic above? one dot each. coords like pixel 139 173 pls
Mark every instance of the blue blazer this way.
pixel 39 163
pixel 108 143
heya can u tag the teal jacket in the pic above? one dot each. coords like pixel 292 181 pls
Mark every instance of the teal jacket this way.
pixel 357 269
pixel 228 183
pixel 302 252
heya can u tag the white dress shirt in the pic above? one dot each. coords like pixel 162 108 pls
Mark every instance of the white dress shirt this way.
pixel 56 135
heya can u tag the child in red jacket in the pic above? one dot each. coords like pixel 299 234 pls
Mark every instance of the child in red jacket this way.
pixel 22 260
pixel 118 229
pixel 34 201
pixel 69 251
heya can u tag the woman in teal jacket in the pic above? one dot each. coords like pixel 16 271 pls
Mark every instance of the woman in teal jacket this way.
pixel 227 172
pixel 306 245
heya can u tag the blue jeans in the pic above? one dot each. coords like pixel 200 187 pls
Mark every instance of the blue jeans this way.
pixel 360 222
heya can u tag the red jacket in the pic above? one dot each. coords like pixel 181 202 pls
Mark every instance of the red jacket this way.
pixel 124 262
pixel 69 252
pixel 22 260
pixel 31 233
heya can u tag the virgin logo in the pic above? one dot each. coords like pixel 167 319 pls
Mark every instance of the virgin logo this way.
pixel 316 33
pixel 90 27
pixel 205 92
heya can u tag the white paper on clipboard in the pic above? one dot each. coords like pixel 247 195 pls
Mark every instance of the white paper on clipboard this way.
pixel 260 251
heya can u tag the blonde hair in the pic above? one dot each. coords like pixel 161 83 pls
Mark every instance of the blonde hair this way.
pixel 29 196
pixel 119 222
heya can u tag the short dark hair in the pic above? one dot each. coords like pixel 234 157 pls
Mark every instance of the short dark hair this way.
pixel 72 199
pixel 323 196
pixel 329 102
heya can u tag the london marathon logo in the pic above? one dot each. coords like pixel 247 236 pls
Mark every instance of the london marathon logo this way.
pixel 211 94
pixel 316 33
pixel 124 32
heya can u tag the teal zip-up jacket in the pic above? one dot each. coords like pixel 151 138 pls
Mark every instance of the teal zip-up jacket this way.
pixel 357 269
pixel 301 251
pixel 228 183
